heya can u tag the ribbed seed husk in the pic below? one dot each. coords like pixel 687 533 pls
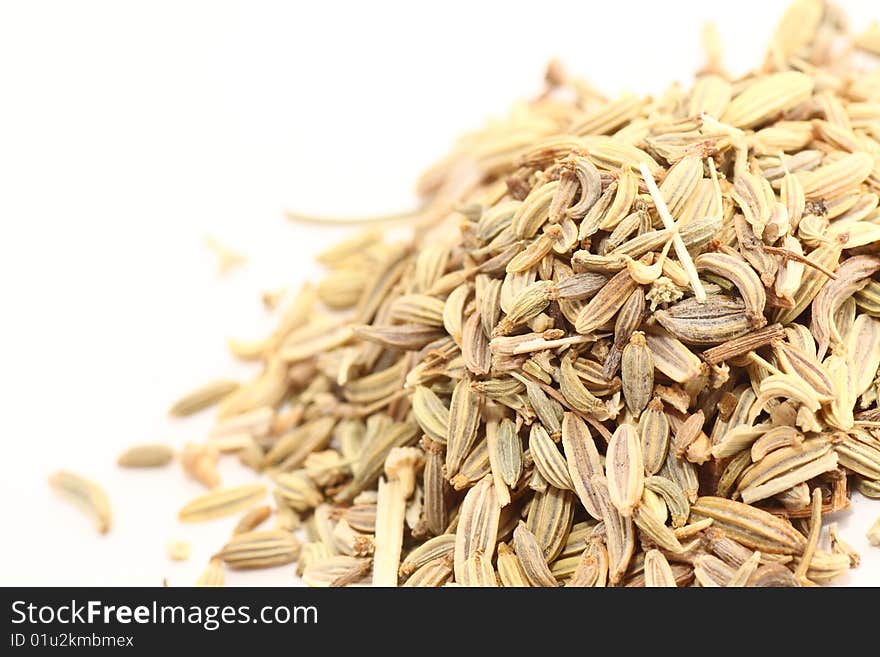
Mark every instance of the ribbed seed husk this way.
pixel 549 519
pixel 260 549
pixel 464 420
pixel 624 469
pixel 547 457
pixel 637 373
pixel 222 502
pixel 531 557
pixel 583 461
pixel 749 525
pixel 654 433
pixel 657 570
pixel 477 524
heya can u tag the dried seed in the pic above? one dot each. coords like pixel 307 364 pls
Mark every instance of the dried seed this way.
pixel 509 453
pixel 812 537
pixel 435 489
pixel 740 273
pixel 681 247
pixel 431 413
pixel 439 547
pixel 531 558
pixel 767 96
pixel 178 550
pixel 800 474
pixel 261 549
pixel 657 570
pixel 434 573
pixel 676 501
pixel 575 392
pixel 146 456
pixel 654 433
pixel 510 569
pixel 749 525
pixel 464 419
pixel 782 460
pixel 86 495
pixel 656 531
pixel 605 304
pixel 213 574
pixel 713 321
pixel 710 571
pixel 477 524
pixel 619 533
pixel 252 519
pixel 519 301
pixel 672 358
pixel 874 533
pixel 852 275
pixel 772 575
pixel 583 461
pixel 637 372
pixel 203 397
pixel 549 519
pixel 335 570
pixel 548 459
pixel 834 179
pixel 297 490
pixel 221 502
pixel 624 470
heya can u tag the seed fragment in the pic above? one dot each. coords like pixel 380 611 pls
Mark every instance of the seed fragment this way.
pixel 178 550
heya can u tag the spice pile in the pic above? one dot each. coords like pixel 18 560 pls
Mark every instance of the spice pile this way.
pixel 633 342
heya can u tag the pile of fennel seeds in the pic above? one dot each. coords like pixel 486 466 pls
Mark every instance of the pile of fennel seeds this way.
pixel 633 342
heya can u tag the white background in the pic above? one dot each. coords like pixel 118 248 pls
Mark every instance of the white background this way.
pixel 129 131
